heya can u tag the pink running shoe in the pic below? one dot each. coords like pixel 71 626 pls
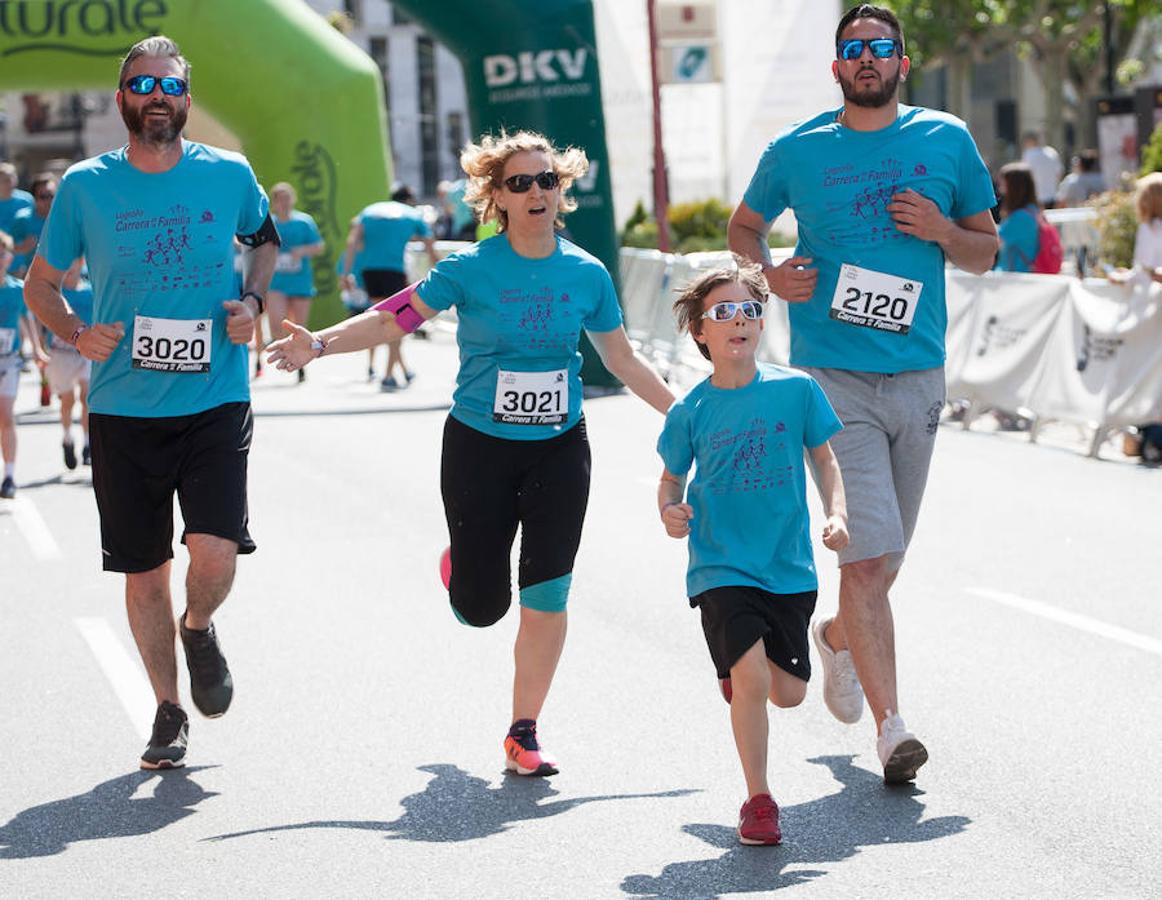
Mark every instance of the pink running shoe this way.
pixel 523 753
pixel 446 567
pixel 758 821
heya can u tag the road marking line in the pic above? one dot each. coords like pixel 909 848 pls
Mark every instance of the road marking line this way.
pixel 1073 620
pixel 35 530
pixel 123 671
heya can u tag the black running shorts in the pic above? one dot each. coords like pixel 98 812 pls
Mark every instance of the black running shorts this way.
pixel 139 463
pixel 490 485
pixel 382 283
pixel 734 617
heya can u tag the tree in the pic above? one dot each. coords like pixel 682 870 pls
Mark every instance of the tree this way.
pixel 1088 61
pixel 955 35
pixel 1062 39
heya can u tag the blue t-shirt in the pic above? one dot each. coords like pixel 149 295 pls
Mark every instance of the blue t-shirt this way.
pixel 1019 242
pixel 80 299
pixel 160 246
pixel 520 321
pixel 299 230
pixel 387 228
pixel 26 223
pixel 12 310
pixel 838 182
pixel 749 492
pixel 10 207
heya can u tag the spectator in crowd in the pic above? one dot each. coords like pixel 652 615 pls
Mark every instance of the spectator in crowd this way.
pixel 457 221
pixel 1019 209
pixel 12 199
pixel 1083 182
pixel 1046 165
pixel 1147 442
pixel 1148 242
pixel 28 223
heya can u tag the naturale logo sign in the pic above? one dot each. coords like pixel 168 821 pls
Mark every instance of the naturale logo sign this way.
pixel 50 24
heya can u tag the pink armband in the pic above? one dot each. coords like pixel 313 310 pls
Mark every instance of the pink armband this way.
pixel 401 304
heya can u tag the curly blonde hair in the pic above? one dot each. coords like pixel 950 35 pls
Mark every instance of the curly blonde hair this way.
pixel 1149 199
pixel 688 307
pixel 484 164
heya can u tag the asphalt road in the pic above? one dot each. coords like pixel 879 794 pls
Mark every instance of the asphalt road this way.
pixel 362 755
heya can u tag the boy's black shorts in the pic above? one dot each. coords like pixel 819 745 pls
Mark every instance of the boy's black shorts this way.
pixel 138 464
pixel 736 616
pixel 382 283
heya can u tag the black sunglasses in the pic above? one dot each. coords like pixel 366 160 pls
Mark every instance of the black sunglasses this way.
pixel 144 85
pixel 519 184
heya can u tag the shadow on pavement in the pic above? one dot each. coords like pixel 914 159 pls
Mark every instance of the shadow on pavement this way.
pixel 456 806
pixel 82 481
pixel 109 810
pixel 831 829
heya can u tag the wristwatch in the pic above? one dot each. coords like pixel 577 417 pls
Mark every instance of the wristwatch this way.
pixel 257 299
pixel 318 345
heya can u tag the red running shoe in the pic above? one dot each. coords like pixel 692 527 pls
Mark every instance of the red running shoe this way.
pixel 727 690
pixel 523 753
pixel 758 821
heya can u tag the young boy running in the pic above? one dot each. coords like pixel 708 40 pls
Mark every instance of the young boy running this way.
pixel 751 569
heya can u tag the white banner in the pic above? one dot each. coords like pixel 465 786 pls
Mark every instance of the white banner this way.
pixel 1088 352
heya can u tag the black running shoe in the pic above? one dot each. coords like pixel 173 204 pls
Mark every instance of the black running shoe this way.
pixel 211 686
pixel 167 744
pixel 86 456
pixel 70 455
pixel 8 488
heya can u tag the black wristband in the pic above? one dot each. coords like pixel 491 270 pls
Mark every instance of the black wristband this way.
pixel 257 299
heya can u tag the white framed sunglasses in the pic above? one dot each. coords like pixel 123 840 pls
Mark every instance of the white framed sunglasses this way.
pixel 728 309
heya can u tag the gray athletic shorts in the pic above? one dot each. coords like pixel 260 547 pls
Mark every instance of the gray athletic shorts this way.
pixel 889 429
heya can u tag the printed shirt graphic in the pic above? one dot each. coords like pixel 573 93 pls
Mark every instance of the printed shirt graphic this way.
pixel 80 300
pixel 10 207
pixel 26 223
pixel 387 228
pixel 839 182
pixel 299 230
pixel 519 315
pixel 751 525
pixel 159 245
pixel 12 309
pixel 1018 233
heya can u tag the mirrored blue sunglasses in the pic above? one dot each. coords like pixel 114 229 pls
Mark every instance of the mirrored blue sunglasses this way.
pixel 881 48
pixel 144 85
pixel 728 309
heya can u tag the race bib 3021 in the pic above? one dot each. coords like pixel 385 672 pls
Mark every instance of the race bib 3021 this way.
pixel 531 398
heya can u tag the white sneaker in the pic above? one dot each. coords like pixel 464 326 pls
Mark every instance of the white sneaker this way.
pixel 842 691
pixel 900 752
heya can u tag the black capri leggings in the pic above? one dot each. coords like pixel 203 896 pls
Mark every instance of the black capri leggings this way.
pixel 490 485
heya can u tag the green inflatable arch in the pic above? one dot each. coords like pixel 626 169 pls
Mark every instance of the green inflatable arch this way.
pixel 307 104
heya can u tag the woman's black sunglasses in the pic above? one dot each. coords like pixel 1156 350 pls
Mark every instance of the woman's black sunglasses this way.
pixel 519 184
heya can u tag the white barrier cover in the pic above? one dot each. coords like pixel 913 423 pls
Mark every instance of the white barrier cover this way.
pixel 1103 347
pixel 1001 340
pixel 1080 351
